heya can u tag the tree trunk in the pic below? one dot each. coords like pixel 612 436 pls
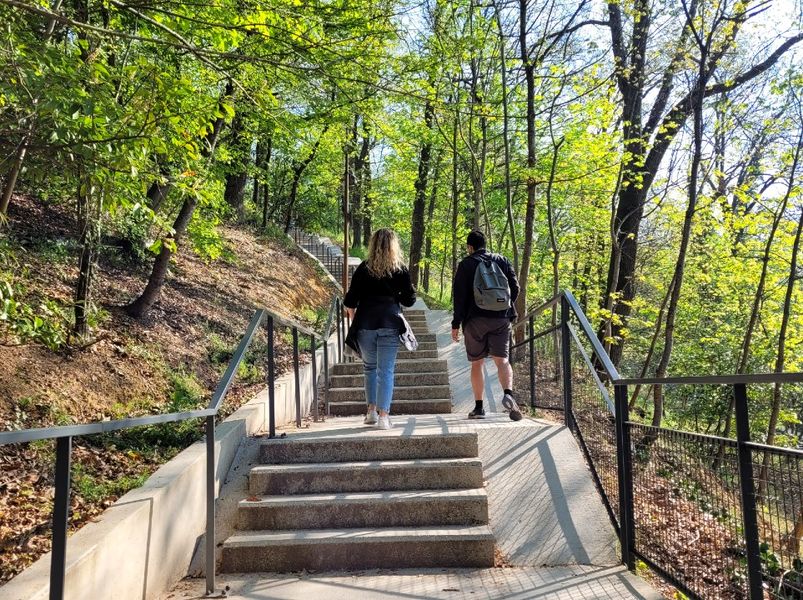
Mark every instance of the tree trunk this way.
pixel 366 191
pixel 677 279
pixel 234 193
pixel 153 289
pixel 455 189
pixel 420 201
pixel 150 295
pixel 359 189
pixel 430 213
pixel 298 171
pixel 781 357
pixel 506 143
pixel 89 223
pixel 529 218
pixel 266 182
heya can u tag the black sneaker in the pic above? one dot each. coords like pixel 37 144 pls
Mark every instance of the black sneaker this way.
pixel 477 414
pixel 510 403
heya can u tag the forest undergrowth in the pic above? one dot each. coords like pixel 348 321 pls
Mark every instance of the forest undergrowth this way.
pixel 169 361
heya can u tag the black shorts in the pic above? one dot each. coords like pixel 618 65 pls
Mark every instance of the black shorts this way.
pixel 486 336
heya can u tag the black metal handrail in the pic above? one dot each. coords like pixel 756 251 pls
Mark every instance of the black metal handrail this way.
pixel 605 376
pixel 65 434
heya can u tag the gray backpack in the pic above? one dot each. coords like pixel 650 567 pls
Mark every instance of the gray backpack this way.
pixel 491 287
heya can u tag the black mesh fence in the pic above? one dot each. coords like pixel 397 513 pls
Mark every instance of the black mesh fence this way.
pixel 595 425
pixel 546 376
pixel 779 502
pixel 687 509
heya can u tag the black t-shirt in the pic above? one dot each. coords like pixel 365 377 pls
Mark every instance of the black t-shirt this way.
pixel 377 299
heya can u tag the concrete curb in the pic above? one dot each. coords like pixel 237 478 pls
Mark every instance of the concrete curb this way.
pixel 143 544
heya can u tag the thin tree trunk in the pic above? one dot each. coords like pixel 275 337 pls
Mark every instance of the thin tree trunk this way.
pixel 744 353
pixel 506 144
pixel 89 213
pixel 10 182
pixel 298 171
pixel 529 219
pixel 234 193
pixel 430 213
pixel 266 182
pixel 455 189
pixel 781 357
pixel 674 298
pixel 420 201
pixel 153 289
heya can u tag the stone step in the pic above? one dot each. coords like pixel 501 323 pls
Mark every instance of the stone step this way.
pixel 401 379
pixel 418 354
pixel 414 312
pixel 405 366
pixel 420 508
pixel 343 549
pixel 421 392
pixel 298 449
pixel 398 407
pixel 315 478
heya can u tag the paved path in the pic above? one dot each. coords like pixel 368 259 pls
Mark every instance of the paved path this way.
pixel 557 583
pixel 552 531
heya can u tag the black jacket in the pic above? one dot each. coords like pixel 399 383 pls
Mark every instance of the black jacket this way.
pixel 463 289
pixel 377 299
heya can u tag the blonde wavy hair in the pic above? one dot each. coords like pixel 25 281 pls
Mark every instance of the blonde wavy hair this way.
pixel 384 253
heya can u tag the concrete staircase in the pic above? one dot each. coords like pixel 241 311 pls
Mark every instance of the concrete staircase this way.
pixel 363 501
pixel 422 381
pixel 328 253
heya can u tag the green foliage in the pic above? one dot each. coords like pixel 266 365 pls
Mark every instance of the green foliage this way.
pixel 45 324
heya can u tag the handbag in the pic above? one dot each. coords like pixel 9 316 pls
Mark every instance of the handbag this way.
pixel 407 337
pixel 351 345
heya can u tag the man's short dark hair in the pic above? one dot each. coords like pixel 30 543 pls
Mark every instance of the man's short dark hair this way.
pixel 476 239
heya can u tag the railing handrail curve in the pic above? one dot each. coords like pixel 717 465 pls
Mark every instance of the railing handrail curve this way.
pixel 616 379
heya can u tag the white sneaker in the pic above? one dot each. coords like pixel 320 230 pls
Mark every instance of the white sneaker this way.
pixel 371 417
pixel 384 422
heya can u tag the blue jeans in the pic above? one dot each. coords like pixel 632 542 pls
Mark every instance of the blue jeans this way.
pixel 379 348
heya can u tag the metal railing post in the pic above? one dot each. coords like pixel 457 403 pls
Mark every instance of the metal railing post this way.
pixel 314 379
pixel 326 372
pixel 271 382
pixel 532 362
pixel 748 492
pixel 566 360
pixel 61 517
pixel 338 318
pixel 297 374
pixel 624 459
pixel 210 504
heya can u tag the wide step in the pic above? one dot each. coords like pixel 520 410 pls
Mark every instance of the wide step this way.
pixel 417 508
pixel 314 478
pixel 403 366
pixel 340 549
pixel 352 448
pixel 421 392
pixel 399 407
pixel 400 379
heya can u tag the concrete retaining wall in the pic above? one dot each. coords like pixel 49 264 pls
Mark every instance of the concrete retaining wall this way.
pixel 143 544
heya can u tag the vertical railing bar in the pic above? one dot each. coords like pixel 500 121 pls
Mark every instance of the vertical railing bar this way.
pixel 566 357
pixel 339 316
pixel 271 382
pixel 210 504
pixel 297 375
pixel 326 371
pixel 532 362
pixel 624 459
pixel 314 353
pixel 61 516
pixel 748 491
